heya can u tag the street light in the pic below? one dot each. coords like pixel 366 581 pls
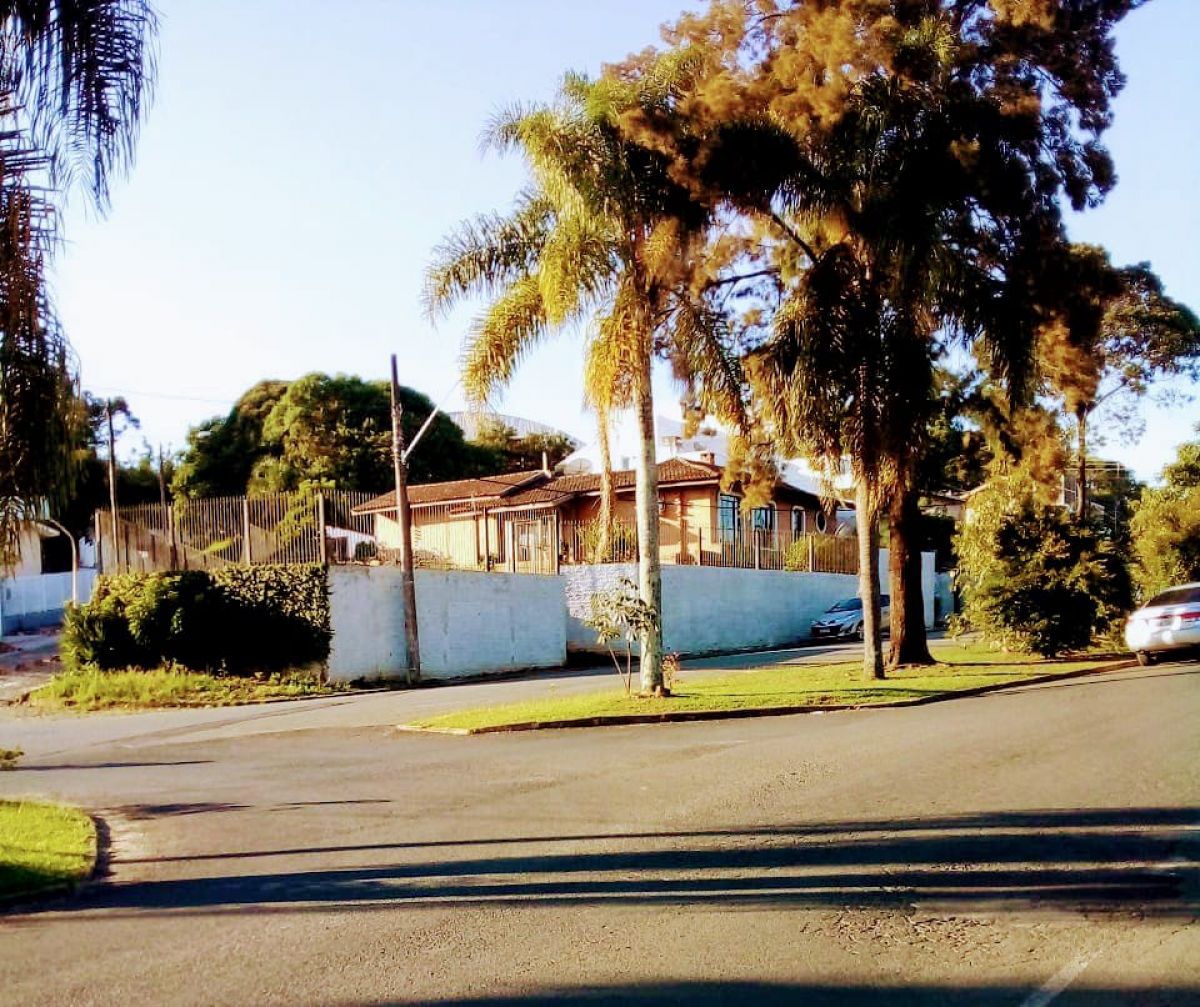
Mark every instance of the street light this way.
pixel 74 557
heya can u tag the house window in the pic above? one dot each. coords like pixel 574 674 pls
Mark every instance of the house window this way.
pixel 763 518
pixel 798 521
pixel 729 517
pixel 822 523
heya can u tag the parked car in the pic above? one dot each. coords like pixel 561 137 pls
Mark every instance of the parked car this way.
pixel 845 619
pixel 1167 622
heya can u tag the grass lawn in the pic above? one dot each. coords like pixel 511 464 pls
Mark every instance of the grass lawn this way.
pixel 963 667
pixel 43 847
pixel 86 691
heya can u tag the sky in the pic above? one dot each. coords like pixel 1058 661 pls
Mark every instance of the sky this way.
pixel 298 168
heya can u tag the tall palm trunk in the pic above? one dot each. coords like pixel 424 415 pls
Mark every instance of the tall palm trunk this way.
pixel 1081 498
pixel 868 579
pixel 909 644
pixel 649 566
pixel 604 539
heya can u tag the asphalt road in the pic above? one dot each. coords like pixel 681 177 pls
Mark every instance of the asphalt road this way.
pixel 1033 846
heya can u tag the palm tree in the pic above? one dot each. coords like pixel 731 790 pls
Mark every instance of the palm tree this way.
pixel 602 235
pixel 74 79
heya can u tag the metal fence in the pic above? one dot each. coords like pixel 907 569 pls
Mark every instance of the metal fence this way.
pixel 215 532
pixel 324 528
pixel 744 548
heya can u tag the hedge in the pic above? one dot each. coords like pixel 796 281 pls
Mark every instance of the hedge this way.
pixel 236 620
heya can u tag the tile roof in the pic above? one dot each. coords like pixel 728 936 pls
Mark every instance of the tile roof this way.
pixel 528 489
pixel 485 489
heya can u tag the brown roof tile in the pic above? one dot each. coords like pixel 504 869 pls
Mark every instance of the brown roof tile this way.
pixel 529 489
pixel 485 489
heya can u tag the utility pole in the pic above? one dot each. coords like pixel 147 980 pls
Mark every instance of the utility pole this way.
pixel 112 482
pixel 404 520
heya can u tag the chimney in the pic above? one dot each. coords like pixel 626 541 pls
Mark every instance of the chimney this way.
pixel 546 464
pixel 708 457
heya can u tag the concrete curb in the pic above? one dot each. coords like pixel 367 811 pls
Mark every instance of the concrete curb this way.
pixel 684 716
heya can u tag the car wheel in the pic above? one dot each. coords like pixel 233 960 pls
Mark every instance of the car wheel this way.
pixel 858 633
pixel 1145 659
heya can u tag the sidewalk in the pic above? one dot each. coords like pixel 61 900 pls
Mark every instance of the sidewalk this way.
pixel 30 662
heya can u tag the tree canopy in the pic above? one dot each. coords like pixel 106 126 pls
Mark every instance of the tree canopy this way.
pixel 1166 525
pixel 334 430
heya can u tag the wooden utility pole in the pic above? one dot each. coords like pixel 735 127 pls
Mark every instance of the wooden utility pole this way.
pixel 404 520
pixel 112 481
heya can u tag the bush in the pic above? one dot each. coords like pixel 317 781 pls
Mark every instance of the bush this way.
pixel 236 619
pixel 1031 579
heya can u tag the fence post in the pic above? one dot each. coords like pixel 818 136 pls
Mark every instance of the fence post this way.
pixel 757 551
pixel 812 555
pixel 246 530
pixel 97 523
pixel 174 546
pixel 322 550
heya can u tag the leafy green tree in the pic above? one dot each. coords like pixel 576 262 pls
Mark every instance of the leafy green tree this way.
pixel 513 453
pixel 331 430
pixel 606 234
pixel 221 452
pixel 909 159
pixel 73 82
pixel 1165 527
pixel 1031 579
pixel 1109 334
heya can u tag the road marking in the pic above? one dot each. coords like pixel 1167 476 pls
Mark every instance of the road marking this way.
pixel 1057 983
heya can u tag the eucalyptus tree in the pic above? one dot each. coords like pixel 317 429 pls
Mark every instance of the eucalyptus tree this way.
pixel 907 159
pixel 604 235
pixel 74 79
pixel 1109 333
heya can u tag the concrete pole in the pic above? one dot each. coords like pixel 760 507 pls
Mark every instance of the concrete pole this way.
pixel 404 520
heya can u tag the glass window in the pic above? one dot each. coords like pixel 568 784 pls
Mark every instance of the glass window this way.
pixel 822 523
pixel 729 517
pixel 799 519
pixel 763 518
pixel 1175 596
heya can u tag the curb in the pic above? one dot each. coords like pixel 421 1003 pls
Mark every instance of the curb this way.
pixel 684 716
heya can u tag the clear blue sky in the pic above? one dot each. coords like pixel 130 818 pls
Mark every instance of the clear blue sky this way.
pixel 302 159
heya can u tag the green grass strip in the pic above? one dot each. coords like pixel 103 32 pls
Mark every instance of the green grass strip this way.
pixel 43 848
pixel 88 690
pixel 779 686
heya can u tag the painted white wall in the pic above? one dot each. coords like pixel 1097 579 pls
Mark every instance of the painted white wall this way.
pixel 711 609
pixel 33 602
pixel 470 623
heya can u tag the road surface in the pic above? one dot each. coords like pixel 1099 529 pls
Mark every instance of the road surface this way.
pixel 1029 847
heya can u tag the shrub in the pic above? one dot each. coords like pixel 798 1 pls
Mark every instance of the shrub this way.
pixel 235 619
pixel 1031 579
pixel 1166 526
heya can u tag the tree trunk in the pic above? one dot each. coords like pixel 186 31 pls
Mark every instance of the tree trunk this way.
pixel 868 579
pixel 606 490
pixel 649 567
pixel 1081 497
pixel 909 644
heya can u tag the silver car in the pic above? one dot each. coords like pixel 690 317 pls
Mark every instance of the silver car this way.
pixel 1167 622
pixel 845 619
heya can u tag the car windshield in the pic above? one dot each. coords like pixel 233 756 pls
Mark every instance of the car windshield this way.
pixel 849 605
pixel 1176 596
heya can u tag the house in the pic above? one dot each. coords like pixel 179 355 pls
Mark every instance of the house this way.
pixel 535 521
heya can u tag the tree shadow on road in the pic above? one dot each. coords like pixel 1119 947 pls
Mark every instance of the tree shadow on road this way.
pixel 1126 860
pixel 765 994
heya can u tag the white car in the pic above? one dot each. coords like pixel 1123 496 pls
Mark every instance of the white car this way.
pixel 845 619
pixel 1167 622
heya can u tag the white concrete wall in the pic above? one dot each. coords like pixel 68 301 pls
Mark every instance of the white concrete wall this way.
pixel 33 602
pixel 711 609
pixel 944 589
pixel 470 623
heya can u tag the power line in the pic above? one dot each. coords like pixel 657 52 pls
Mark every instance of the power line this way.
pixel 162 395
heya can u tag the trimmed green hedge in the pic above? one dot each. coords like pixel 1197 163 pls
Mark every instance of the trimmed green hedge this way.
pixel 236 620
